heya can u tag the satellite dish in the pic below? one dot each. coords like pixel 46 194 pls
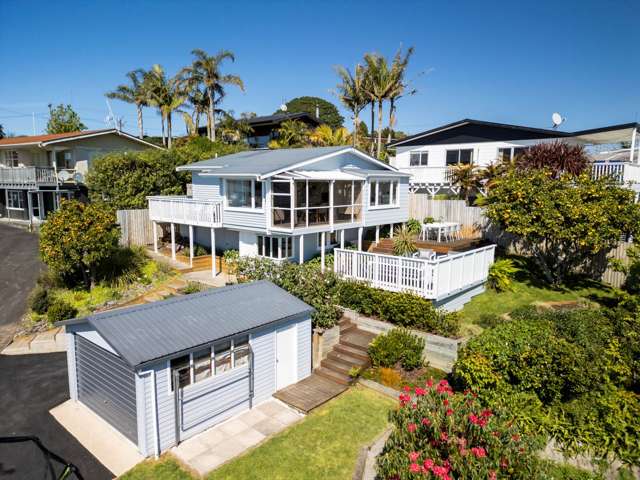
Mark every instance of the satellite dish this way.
pixel 283 107
pixel 557 119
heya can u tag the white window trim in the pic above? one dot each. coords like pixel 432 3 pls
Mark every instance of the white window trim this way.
pixel 280 247
pixel 213 374
pixel 11 161
pixel 473 154
pixel 395 185
pixel 252 208
pixel 327 237
pixel 421 153
pixel 19 209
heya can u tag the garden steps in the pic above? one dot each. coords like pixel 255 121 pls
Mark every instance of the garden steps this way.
pixel 357 339
pixel 341 357
pixel 351 352
pixel 337 377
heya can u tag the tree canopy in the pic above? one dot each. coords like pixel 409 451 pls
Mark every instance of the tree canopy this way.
pixel 63 119
pixel 328 111
pixel 124 180
pixel 77 237
pixel 566 222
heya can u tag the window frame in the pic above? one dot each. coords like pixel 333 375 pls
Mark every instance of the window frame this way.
pixel 213 375
pixel 328 240
pixel 459 151
pixel 512 151
pixel 11 159
pixel 285 245
pixel 10 200
pixel 394 197
pixel 421 162
pixel 252 207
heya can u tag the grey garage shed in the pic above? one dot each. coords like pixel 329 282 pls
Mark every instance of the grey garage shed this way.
pixel 162 372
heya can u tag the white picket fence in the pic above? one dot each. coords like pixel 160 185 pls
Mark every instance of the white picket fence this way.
pixel 433 279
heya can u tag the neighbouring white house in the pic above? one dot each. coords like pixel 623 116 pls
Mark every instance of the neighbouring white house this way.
pixel 296 204
pixel 37 171
pixel 430 156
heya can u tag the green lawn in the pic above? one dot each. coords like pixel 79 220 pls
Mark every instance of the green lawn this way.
pixel 325 445
pixel 526 290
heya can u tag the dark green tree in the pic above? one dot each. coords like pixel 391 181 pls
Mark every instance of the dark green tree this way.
pixel 328 111
pixel 2 134
pixel 63 119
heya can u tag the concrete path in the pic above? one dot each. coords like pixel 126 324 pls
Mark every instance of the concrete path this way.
pixel 51 341
pixel 108 445
pixel 217 445
pixel 19 269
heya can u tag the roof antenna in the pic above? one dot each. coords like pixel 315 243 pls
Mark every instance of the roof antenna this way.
pixel 557 120
pixel 110 118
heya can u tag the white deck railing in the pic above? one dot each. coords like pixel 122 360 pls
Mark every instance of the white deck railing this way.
pixel 607 169
pixel 185 210
pixel 28 176
pixel 433 279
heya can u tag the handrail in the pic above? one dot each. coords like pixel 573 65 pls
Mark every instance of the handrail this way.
pixel 185 210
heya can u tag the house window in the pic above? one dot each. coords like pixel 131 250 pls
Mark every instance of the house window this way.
pixel 330 239
pixel 244 193
pixel 16 200
pixel 419 159
pixel 463 156
pixel 383 193
pixel 277 248
pixel 281 211
pixel 11 158
pixel 509 153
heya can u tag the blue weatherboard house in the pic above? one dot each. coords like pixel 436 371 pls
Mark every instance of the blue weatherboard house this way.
pixel 160 373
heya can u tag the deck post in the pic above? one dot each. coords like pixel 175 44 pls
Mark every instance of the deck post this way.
pixel 633 145
pixel 6 202
pixel 377 233
pixel 391 230
pixel 41 205
pixel 342 238
pixel 301 250
pixel 155 236
pixel 322 240
pixel 214 270
pixel 360 238
pixel 191 245
pixel 30 209
pixel 173 241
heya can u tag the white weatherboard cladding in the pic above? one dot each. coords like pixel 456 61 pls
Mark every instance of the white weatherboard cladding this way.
pixel 244 218
pixel 385 216
pixel 225 239
pixel 341 161
pixel 206 188
pixel 216 399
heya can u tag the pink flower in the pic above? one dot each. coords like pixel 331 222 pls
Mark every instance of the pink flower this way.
pixel 439 471
pixel 515 438
pixel 445 402
pixel 492 475
pixel 413 456
pixel 449 412
pixel 404 399
pixel 411 427
pixel 420 391
pixel 428 464
pixel 429 383
pixel 426 422
pixel 443 436
pixel 473 419
pixel 479 452
pixel 415 468
pixel 486 413
pixel 406 388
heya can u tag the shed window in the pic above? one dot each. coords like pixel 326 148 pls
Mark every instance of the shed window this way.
pixel 181 365
pixel 201 365
pixel 241 351
pixel 222 352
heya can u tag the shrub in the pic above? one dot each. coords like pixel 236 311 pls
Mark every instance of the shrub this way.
pixel 428 220
pixel 501 275
pixel 398 346
pixel 489 320
pixel 403 242
pixel 39 300
pixel 198 251
pixel 414 226
pixel 61 310
pixel 124 266
pixel 452 436
pixel 231 258
pixel 390 377
pixel 192 287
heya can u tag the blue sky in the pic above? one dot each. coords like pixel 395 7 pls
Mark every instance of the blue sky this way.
pixel 514 62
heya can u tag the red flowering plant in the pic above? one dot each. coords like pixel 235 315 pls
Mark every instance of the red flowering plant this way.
pixel 443 435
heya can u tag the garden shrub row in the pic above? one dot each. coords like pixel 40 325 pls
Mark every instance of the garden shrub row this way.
pixel 324 291
pixel 398 346
pixel 571 375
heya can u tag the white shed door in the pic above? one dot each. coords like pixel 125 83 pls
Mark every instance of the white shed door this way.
pixel 286 356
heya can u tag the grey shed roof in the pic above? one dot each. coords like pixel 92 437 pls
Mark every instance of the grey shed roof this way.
pixel 263 162
pixel 145 333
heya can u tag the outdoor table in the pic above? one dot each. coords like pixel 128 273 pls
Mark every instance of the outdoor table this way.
pixel 440 227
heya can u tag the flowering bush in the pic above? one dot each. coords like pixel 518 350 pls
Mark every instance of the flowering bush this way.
pixel 444 435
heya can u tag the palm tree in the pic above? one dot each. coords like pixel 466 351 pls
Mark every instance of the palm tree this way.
pixel 167 95
pixel 465 178
pixel 205 71
pixel 135 93
pixel 399 89
pixel 323 136
pixel 352 95
pixel 379 86
pixel 292 133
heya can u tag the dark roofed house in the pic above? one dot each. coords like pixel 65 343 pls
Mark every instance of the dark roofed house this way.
pixel 265 128
pixel 224 349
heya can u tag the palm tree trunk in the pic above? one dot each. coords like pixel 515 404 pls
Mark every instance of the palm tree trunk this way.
pixel 140 129
pixel 164 138
pixel 373 127
pixel 379 128
pixel 392 120
pixel 356 120
pixel 210 122
pixel 169 129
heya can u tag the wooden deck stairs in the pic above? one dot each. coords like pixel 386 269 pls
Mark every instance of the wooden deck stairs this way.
pixel 350 352
pixel 332 377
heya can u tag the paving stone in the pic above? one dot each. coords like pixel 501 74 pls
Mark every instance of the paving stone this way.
pixel 268 426
pixel 287 417
pixel 206 462
pixel 250 437
pixel 271 408
pixel 233 427
pixel 229 449
pixel 213 436
pixel 191 449
pixel 252 417
pixel 19 346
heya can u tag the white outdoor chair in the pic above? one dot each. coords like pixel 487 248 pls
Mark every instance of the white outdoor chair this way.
pixel 426 254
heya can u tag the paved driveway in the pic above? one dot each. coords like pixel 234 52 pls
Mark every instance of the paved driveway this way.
pixel 19 269
pixel 30 385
